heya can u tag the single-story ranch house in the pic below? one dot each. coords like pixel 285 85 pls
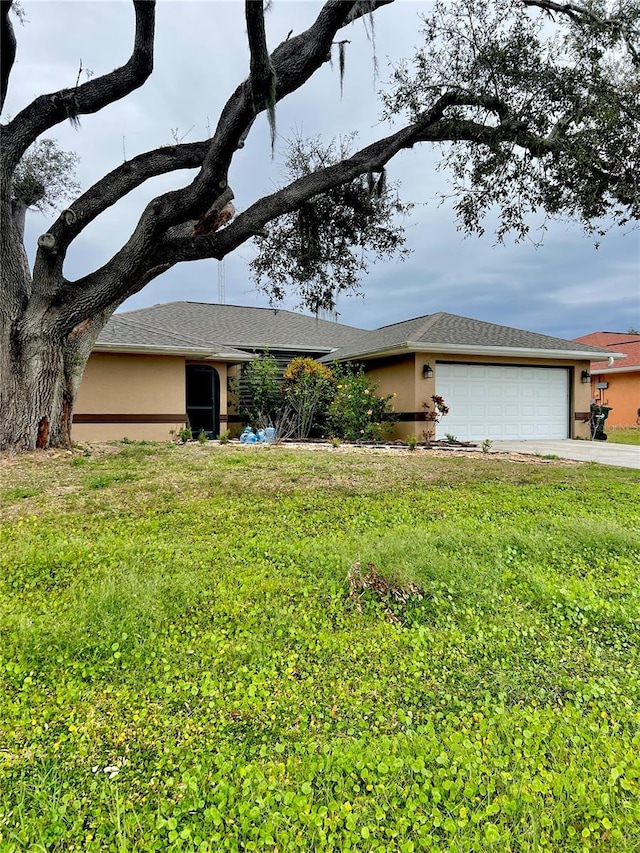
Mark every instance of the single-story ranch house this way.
pixel 617 384
pixel 155 369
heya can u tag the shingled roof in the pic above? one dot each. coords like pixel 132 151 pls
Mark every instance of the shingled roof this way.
pixel 624 342
pixel 230 332
pixel 450 332
pixel 129 334
pixel 212 326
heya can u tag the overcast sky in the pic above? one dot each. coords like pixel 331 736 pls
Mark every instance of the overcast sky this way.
pixel 566 288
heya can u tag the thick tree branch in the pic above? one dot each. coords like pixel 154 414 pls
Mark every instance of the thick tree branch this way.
pixel 432 127
pixel 576 11
pixel 262 77
pixel 121 181
pixel 49 110
pixel 262 73
pixel 118 279
pixel 7 48
pixel 294 62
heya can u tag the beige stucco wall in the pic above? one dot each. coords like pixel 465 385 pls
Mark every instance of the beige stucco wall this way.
pixel 404 377
pixel 233 378
pixel 121 383
pixel 136 385
pixel 397 376
pixel 623 394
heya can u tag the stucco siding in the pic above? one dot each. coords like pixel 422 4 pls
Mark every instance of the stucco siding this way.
pixel 133 386
pixel 623 395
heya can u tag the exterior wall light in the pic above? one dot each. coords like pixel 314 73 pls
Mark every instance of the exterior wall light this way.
pixel 586 377
pixel 427 372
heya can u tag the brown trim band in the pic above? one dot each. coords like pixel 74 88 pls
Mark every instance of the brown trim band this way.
pixel 224 419
pixel 129 418
pixel 582 416
pixel 411 416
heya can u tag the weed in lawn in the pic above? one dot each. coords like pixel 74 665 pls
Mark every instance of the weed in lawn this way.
pixel 19 493
pixel 103 481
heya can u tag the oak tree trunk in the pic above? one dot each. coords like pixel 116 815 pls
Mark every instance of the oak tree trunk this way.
pixel 41 364
pixel 40 377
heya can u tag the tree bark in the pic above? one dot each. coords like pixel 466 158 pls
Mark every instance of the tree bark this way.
pixel 41 362
pixel 40 374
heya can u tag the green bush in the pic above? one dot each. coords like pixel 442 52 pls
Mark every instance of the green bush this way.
pixel 356 412
pixel 260 391
pixel 308 390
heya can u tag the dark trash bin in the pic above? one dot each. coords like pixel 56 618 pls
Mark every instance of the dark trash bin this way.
pixel 599 414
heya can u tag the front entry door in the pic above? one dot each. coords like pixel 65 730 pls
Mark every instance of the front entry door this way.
pixel 203 395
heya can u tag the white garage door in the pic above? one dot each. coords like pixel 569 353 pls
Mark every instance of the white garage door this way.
pixel 486 401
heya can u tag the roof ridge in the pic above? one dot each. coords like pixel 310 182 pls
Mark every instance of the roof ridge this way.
pixel 398 323
pixel 273 310
pixel 432 319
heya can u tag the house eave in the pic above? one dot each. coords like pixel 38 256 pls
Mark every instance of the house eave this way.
pixel 464 349
pixel 599 371
pixel 186 352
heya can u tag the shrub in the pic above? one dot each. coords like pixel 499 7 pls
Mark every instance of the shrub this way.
pixel 260 391
pixel 434 412
pixel 356 412
pixel 308 389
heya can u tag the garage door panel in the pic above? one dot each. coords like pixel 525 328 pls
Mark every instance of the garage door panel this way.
pixel 503 402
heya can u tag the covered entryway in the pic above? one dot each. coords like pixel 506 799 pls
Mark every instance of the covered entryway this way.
pixel 503 401
pixel 203 399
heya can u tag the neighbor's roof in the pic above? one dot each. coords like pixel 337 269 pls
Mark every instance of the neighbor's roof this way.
pixel 445 333
pixel 622 342
pixel 210 325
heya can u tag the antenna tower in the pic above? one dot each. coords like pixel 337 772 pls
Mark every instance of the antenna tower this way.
pixel 221 283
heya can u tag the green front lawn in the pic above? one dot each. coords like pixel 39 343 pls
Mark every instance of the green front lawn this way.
pixel 183 666
pixel 630 435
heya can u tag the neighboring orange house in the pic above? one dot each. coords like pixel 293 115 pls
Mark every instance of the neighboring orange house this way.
pixel 622 378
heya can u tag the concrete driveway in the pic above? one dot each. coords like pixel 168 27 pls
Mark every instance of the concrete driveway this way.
pixel 603 452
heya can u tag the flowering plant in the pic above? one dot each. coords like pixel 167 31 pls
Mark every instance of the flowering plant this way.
pixel 308 388
pixel 356 412
pixel 434 412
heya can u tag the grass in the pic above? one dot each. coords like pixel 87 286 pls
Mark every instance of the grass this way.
pixel 628 435
pixel 184 669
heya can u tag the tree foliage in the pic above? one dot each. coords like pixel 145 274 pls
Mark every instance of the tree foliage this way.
pixel 542 110
pixel 327 245
pixel 45 175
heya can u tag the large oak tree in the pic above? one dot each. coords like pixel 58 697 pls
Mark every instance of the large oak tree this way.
pixel 533 103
